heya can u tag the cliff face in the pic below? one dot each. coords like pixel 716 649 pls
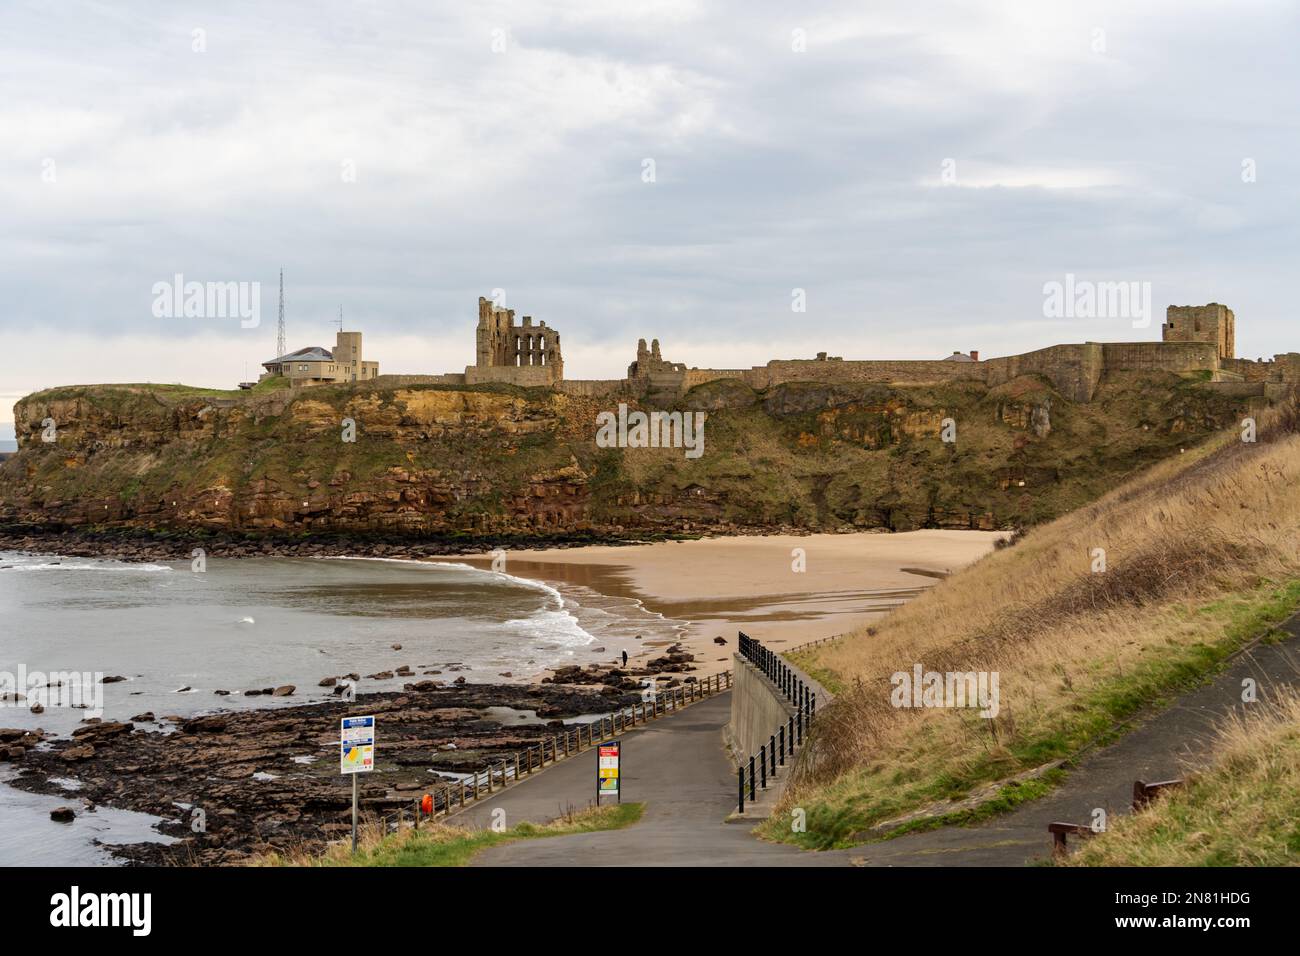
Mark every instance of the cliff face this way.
pixel 438 461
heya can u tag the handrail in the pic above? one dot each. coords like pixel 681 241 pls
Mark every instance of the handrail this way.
pixel 575 739
pixel 789 736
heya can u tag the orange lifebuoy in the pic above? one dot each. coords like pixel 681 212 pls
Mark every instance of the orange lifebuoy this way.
pixel 426 805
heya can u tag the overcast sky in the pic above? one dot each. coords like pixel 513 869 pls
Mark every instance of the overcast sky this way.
pixel 400 159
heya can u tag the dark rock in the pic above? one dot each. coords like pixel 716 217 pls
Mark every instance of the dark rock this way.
pixel 210 724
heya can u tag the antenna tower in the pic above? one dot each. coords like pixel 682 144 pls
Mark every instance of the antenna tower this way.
pixel 279 331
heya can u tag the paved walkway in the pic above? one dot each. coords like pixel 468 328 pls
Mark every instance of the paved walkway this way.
pixel 1161 748
pixel 679 769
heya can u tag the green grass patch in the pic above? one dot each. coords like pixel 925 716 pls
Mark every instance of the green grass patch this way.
pixel 441 845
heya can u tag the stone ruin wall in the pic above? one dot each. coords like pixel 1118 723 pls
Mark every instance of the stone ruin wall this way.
pixel 698 376
pixel 833 371
pixel 1161 356
pixel 592 387
pixel 1195 339
pixel 528 376
pixel 450 378
pixel 1075 370
pixel 1283 369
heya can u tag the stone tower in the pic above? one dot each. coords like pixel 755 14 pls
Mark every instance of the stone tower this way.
pixel 500 343
pixel 1212 323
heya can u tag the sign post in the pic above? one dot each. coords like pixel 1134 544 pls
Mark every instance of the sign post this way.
pixel 356 755
pixel 608 767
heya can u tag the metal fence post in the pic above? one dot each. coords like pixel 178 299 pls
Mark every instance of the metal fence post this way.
pixel 751 778
pixel 741 772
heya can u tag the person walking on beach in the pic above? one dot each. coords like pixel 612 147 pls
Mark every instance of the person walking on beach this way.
pixel 625 658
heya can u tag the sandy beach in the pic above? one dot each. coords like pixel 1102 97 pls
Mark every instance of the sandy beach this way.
pixel 714 587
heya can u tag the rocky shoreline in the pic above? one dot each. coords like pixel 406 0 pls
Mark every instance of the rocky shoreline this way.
pixel 134 545
pixel 268 778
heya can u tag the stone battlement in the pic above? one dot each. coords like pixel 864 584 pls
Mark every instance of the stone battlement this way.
pixel 1194 339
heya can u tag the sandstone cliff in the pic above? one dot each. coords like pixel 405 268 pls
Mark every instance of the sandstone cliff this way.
pixel 505 462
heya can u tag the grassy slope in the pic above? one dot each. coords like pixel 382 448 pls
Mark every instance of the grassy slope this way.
pixel 1202 555
pixel 443 845
pixel 1244 810
pixel 803 454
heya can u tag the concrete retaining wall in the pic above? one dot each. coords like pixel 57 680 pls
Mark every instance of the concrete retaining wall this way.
pixel 757 710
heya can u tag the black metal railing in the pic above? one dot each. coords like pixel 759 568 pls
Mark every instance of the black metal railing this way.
pixel 574 739
pixel 754 773
pixel 788 681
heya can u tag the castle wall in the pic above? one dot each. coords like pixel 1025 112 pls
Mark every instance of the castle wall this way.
pixel 1074 370
pixel 450 378
pixel 592 387
pixel 1252 371
pixel 1195 339
pixel 698 376
pixel 1161 356
pixel 529 376
pixel 779 371
pixel 1281 369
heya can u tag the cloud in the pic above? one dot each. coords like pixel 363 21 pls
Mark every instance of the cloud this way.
pixel 395 165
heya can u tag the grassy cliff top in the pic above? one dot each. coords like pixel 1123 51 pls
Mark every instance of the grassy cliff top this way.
pixel 1087 620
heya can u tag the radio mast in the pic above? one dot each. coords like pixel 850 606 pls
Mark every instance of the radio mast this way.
pixel 279 332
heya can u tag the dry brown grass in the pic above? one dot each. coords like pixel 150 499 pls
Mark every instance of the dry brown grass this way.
pixel 1196 547
pixel 1243 810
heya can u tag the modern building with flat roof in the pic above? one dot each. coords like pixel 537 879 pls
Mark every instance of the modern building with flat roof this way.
pixel 315 365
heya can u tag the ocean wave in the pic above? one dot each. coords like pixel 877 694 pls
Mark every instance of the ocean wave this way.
pixel 557 627
pixel 82 566
pixel 530 583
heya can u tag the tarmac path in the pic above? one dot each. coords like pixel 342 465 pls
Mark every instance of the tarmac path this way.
pixel 679 768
